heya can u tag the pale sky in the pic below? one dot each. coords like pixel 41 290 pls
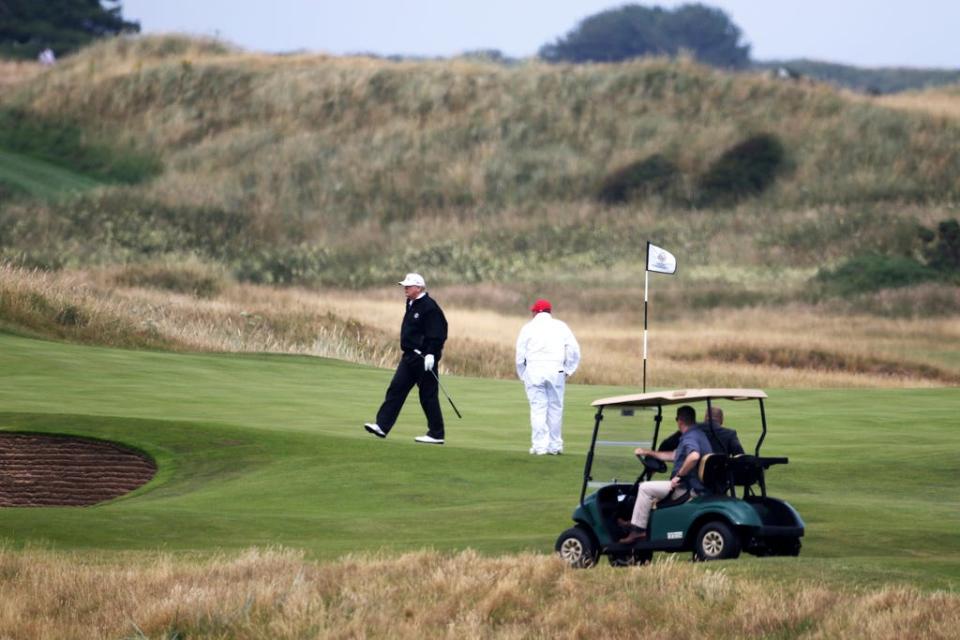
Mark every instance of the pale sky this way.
pixel 870 33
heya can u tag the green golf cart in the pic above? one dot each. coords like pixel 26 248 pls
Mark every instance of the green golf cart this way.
pixel 734 514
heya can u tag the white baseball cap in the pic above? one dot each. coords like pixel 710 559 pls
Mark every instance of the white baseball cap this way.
pixel 413 280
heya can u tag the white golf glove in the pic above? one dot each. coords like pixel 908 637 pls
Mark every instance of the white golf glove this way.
pixel 428 362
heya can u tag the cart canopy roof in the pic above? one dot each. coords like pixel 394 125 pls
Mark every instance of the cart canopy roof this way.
pixel 678 396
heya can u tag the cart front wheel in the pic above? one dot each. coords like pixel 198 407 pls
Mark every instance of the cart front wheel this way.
pixel 577 548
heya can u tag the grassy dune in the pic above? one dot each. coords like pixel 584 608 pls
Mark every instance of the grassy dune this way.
pixel 345 171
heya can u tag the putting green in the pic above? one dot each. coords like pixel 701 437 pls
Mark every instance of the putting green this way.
pixel 269 450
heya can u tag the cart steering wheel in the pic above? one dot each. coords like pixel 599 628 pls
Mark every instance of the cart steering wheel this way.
pixel 653 465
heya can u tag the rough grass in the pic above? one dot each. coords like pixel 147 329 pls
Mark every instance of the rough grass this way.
pixel 276 593
pixel 797 346
pixel 39 304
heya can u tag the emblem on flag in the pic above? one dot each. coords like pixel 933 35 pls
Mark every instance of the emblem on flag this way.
pixel 660 260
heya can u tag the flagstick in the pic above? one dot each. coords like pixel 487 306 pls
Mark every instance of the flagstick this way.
pixel 646 286
pixel 666 263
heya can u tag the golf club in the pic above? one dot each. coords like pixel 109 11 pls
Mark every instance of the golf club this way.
pixel 440 384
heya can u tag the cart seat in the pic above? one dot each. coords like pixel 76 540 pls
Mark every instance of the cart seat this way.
pixel 746 470
pixel 713 472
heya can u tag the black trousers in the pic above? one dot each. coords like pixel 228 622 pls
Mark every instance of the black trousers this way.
pixel 409 373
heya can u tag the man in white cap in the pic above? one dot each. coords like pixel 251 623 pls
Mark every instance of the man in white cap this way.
pixel 547 353
pixel 422 335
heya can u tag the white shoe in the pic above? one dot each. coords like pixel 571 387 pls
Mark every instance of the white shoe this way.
pixel 556 453
pixel 428 439
pixel 537 452
pixel 374 428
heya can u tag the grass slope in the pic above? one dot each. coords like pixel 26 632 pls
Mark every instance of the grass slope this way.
pixel 473 172
pixel 265 450
pixel 39 178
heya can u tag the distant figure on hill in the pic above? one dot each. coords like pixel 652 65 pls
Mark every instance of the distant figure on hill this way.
pixel 422 335
pixel 547 354
pixel 46 57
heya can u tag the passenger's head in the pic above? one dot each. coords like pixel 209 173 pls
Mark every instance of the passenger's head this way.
pixel 686 417
pixel 715 415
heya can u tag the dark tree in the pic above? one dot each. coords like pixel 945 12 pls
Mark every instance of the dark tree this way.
pixel 29 26
pixel 634 30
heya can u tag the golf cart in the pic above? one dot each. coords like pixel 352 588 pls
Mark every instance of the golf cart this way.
pixel 715 525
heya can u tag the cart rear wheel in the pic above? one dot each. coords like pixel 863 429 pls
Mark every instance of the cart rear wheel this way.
pixel 787 547
pixel 633 558
pixel 577 548
pixel 716 541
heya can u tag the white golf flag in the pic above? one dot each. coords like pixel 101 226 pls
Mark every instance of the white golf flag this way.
pixel 660 260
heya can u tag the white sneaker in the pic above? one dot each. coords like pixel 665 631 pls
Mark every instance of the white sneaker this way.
pixel 375 429
pixel 537 452
pixel 557 452
pixel 428 439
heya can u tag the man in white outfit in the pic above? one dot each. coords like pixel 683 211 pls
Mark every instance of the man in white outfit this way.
pixel 547 353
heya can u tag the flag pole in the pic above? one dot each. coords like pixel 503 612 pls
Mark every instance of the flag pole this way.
pixel 646 287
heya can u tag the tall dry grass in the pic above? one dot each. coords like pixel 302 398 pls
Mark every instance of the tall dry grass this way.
pixel 278 594
pixel 15 72
pixel 94 307
pixel 792 346
pixel 941 102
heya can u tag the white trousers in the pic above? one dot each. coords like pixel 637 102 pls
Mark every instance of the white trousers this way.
pixel 648 493
pixel 545 393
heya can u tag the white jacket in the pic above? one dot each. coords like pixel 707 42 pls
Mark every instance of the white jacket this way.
pixel 546 346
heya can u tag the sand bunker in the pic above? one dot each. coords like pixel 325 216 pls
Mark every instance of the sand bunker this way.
pixel 48 471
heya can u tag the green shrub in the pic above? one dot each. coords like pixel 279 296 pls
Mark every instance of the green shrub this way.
pixel 654 175
pixel 283 265
pixel 746 169
pixel 872 272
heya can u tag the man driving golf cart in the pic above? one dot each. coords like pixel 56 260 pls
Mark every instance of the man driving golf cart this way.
pixel 716 524
pixel 693 445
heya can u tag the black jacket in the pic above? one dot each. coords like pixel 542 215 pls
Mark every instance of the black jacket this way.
pixel 424 327
pixel 722 440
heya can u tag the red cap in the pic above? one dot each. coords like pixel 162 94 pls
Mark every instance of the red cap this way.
pixel 541 305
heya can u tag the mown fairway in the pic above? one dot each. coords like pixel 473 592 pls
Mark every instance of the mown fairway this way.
pixel 269 450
